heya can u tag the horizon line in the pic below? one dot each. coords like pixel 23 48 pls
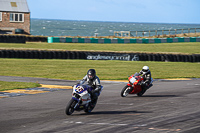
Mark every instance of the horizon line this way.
pixel 115 21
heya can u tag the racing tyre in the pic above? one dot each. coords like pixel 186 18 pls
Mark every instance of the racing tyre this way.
pixel 125 91
pixel 70 107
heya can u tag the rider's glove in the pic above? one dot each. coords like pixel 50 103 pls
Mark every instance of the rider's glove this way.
pixel 98 89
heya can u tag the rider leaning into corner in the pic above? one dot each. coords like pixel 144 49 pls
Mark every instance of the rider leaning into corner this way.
pixel 146 74
pixel 94 82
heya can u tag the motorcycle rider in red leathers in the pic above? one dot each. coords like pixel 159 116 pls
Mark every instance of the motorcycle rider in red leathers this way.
pixel 94 82
pixel 146 74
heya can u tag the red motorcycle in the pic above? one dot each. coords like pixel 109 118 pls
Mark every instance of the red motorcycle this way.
pixel 134 86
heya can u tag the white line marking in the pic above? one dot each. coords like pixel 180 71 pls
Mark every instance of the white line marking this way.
pixel 108 124
pixel 78 122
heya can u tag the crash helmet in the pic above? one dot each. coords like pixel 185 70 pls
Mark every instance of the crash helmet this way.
pixel 91 74
pixel 145 69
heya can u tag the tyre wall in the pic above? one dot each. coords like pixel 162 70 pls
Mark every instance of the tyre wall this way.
pixel 42 54
pixel 36 39
pixel 35 54
pixel 21 39
pixel 12 39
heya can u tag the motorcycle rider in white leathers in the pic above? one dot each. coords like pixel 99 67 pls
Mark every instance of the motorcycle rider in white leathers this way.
pixel 146 74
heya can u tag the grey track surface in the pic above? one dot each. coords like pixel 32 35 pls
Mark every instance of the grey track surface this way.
pixel 167 107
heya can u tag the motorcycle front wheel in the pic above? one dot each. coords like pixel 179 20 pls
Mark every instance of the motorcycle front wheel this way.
pixel 125 91
pixel 70 107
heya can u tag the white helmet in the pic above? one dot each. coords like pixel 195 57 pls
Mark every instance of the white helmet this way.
pixel 145 69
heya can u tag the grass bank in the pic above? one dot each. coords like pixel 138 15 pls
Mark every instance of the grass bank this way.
pixel 16 85
pixel 180 48
pixel 106 70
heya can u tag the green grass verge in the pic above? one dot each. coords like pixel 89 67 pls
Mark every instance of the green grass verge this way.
pixel 184 48
pixel 16 85
pixel 106 70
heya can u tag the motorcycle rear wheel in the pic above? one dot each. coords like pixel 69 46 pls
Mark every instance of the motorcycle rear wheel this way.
pixel 70 107
pixel 125 91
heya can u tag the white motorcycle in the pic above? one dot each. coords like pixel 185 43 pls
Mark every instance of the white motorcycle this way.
pixel 81 99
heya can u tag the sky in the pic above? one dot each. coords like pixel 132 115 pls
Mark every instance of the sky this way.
pixel 146 11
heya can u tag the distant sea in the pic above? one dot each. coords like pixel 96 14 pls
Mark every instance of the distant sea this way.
pixel 49 27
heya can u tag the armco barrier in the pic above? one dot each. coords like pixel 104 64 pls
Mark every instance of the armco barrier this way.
pixel 42 54
pixel 118 40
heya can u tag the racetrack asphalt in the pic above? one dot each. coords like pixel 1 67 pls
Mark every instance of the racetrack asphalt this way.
pixel 169 106
pixel 47 85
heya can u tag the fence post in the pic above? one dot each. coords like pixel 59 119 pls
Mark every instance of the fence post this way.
pixel 156 32
pixel 136 33
pixel 188 30
pixel 149 33
pixel 195 30
pixel 169 31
